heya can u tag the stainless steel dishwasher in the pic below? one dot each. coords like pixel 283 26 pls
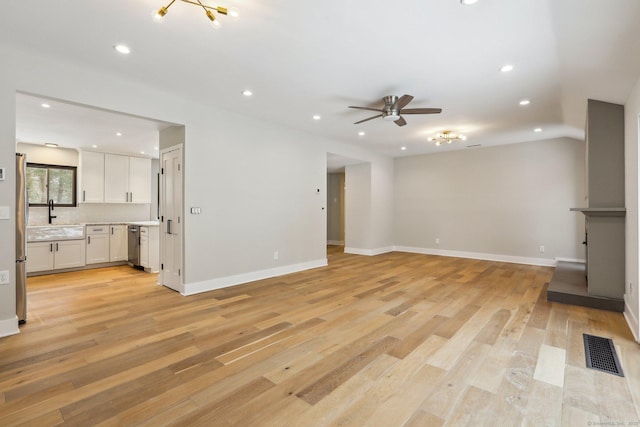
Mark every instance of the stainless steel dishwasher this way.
pixel 133 239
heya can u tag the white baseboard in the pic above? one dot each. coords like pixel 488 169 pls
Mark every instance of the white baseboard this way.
pixel 368 252
pixel 632 322
pixel 224 282
pixel 579 261
pixel 9 327
pixel 335 242
pixel 545 262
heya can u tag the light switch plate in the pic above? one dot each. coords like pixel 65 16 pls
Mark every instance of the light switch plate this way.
pixel 4 212
pixel 4 277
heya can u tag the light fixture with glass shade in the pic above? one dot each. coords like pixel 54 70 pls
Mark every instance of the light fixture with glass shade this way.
pixel 158 15
pixel 447 137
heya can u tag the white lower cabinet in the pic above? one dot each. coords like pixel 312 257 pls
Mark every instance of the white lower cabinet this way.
pixel 43 256
pixel 150 249
pixel 118 249
pixel 97 244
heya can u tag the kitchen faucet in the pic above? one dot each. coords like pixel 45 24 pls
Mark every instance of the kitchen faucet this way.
pixel 51 209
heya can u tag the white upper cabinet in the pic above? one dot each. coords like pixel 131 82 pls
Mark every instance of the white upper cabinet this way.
pixel 139 180
pixel 91 177
pixel 114 178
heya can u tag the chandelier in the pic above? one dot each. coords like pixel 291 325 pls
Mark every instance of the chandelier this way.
pixel 447 136
pixel 158 15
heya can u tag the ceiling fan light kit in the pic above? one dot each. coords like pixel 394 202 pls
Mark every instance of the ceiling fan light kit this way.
pixel 158 15
pixel 394 108
pixel 447 137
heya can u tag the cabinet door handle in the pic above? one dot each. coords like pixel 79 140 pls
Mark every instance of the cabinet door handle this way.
pixel 56 247
pixel 168 226
pixel 50 247
pixel 89 239
pixel 84 194
pixel 111 230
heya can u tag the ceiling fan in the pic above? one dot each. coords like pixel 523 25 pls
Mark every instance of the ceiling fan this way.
pixel 394 107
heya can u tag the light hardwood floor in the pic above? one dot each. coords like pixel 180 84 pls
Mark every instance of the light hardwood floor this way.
pixel 391 340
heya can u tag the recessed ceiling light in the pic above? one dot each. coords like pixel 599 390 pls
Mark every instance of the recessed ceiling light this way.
pixel 525 102
pixel 247 93
pixel 50 144
pixel 155 148
pixel 468 2
pixel 118 133
pixel 361 133
pixel 403 148
pixel 94 146
pixel 506 68
pixel 537 130
pixel 122 49
pixel 142 152
pixel 316 117
pixel 45 105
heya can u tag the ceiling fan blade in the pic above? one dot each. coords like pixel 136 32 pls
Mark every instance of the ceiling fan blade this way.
pixel 366 108
pixel 401 102
pixel 421 111
pixel 400 122
pixel 370 118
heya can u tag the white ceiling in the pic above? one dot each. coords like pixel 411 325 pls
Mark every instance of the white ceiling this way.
pixel 303 58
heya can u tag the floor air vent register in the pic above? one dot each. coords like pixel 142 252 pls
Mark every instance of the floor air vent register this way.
pixel 601 355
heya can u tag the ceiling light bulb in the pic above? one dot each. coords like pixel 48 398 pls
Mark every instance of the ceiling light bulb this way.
pixel 155 148
pixel 50 144
pixel 45 105
pixel 316 117
pixel 122 49
pixel 525 102
pixel 403 148
pixel 468 2
pixel 118 133
pixel 215 24
pixel 506 68
pixel 158 15
pixel 438 143
pixel 247 93
pixel 361 133
pixel 537 130
pixel 234 14
pixel 142 152
pixel 462 137
pixel 94 146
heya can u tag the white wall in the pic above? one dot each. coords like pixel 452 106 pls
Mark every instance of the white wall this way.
pixel 632 139
pixel 357 216
pixel 496 202
pixel 256 182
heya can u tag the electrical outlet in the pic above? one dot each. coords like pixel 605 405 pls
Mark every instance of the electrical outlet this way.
pixel 4 277
pixel 275 255
pixel 437 240
pixel 542 250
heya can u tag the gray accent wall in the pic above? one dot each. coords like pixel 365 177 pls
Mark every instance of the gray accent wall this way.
pixel 505 200
pixel 335 207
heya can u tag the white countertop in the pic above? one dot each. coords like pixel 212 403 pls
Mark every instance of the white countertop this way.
pixel 145 223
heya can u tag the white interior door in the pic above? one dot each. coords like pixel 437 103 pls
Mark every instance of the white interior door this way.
pixel 171 218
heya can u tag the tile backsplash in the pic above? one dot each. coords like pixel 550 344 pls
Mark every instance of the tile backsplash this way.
pixel 91 213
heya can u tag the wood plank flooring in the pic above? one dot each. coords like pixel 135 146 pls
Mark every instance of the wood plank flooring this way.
pixel 392 340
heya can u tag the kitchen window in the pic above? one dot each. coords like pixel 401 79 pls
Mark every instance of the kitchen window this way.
pixel 51 182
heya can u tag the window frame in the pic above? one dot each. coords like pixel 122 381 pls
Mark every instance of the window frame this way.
pixel 47 166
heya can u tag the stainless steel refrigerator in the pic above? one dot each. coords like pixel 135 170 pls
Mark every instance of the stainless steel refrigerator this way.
pixel 21 237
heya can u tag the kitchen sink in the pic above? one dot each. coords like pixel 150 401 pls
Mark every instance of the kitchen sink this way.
pixel 46 233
